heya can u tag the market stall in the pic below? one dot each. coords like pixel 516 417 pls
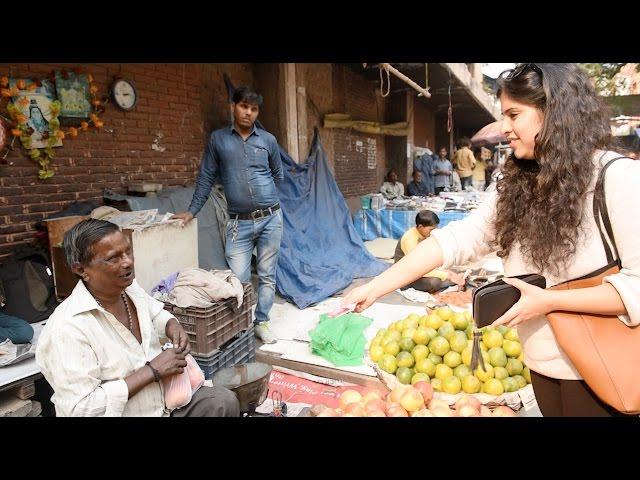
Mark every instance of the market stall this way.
pixel 372 224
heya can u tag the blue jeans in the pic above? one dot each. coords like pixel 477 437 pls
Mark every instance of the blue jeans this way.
pixel 15 329
pixel 265 235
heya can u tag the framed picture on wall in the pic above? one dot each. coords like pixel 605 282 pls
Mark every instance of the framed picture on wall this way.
pixel 75 97
pixel 35 105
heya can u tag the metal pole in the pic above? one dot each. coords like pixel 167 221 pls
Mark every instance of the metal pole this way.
pixel 406 79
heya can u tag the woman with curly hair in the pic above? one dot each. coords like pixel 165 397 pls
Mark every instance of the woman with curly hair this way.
pixel 540 220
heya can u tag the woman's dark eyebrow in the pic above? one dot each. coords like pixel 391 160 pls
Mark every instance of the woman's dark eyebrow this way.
pixel 507 110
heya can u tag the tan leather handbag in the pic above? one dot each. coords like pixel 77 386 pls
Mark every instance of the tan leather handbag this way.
pixel 605 351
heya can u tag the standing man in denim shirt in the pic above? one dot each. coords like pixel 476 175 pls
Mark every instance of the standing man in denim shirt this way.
pixel 443 172
pixel 247 160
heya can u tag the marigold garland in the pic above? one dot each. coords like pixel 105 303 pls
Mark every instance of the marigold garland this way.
pixel 19 127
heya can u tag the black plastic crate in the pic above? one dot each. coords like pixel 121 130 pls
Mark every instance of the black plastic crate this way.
pixel 241 349
pixel 210 328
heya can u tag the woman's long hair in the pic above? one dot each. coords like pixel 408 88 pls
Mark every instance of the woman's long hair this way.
pixel 541 202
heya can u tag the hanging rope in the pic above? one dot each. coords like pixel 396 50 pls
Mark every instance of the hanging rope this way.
pixel 450 110
pixel 426 79
pixel 405 79
pixel 382 82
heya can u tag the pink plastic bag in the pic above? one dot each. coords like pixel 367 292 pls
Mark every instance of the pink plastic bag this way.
pixel 342 309
pixel 196 375
pixel 179 388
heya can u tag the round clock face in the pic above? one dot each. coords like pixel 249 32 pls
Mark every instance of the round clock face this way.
pixel 124 95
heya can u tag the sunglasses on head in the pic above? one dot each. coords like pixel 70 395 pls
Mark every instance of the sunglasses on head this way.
pixel 521 68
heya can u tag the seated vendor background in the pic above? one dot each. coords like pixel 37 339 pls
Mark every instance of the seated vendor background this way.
pixel 435 280
pixel 392 188
pixel 417 188
pixel 100 349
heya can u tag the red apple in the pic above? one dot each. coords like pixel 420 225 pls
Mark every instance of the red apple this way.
pixel 349 396
pixel 467 411
pixel 328 412
pixel 375 404
pixel 422 413
pixel 397 411
pixel 441 411
pixel 354 409
pixel 504 411
pixel 376 413
pixel 426 390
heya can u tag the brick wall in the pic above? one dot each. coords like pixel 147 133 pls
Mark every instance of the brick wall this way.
pixel 177 104
pixel 321 94
pixel 424 125
pixel 356 171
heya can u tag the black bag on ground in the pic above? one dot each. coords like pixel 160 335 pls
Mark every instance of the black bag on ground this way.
pixel 28 286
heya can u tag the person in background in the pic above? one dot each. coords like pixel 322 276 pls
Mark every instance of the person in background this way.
pixel 416 187
pixel 464 162
pixel 443 171
pixel 456 186
pixel 425 165
pixel 479 171
pixel 435 280
pixel 392 188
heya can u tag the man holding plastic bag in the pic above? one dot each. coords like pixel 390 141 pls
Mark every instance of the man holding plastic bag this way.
pixel 100 349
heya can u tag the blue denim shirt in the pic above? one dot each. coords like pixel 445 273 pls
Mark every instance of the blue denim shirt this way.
pixel 248 170
pixel 443 165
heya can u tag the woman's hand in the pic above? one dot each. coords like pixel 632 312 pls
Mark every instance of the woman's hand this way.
pixel 178 336
pixel 534 301
pixel 457 278
pixel 169 362
pixel 362 296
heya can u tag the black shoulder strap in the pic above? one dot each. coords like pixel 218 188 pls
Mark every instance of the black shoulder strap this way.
pixel 600 211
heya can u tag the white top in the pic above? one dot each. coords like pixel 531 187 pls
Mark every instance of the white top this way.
pixel 85 353
pixel 465 240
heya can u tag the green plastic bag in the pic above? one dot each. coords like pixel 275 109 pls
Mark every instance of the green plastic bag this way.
pixel 340 340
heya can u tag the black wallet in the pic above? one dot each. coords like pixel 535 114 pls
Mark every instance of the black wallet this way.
pixel 493 299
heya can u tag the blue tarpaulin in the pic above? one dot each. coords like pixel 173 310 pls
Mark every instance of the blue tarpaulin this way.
pixel 321 252
pixel 371 224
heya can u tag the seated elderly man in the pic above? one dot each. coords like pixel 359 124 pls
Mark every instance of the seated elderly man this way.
pixel 392 188
pixel 100 349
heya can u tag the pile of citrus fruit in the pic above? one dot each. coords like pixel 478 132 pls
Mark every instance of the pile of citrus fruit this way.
pixel 437 348
pixel 407 401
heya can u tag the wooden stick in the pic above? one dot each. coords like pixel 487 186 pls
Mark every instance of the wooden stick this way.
pixel 406 79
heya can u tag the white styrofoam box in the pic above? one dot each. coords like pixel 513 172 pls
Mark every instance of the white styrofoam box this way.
pixel 160 250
